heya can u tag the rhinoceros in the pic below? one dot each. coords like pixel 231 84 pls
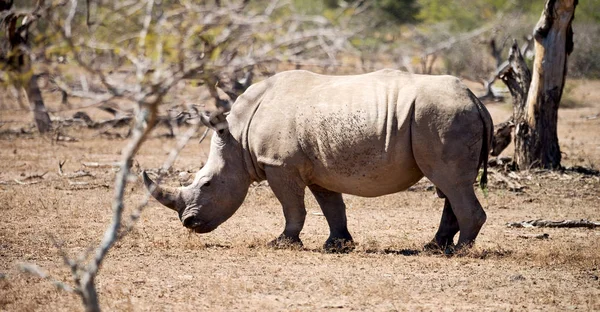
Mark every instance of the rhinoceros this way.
pixel 366 135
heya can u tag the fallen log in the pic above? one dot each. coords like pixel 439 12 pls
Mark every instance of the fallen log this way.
pixel 555 224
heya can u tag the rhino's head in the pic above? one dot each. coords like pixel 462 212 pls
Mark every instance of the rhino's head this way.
pixel 218 189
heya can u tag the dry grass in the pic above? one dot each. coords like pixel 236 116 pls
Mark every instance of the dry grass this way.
pixel 162 266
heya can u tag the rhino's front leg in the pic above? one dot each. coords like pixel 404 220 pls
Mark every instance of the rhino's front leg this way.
pixel 334 209
pixel 289 190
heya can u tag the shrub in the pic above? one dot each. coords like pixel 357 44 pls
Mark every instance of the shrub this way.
pixel 585 59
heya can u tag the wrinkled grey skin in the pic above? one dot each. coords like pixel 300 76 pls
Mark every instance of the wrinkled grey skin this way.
pixel 366 135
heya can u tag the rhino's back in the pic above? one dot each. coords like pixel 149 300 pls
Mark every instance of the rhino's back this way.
pixel 349 134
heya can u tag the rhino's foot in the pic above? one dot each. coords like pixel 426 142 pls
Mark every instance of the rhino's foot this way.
pixel 435 247
pixel 286 242
pixel 339 245
pixel 464 245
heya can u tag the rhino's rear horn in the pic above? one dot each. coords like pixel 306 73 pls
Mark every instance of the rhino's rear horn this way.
pixel 170 197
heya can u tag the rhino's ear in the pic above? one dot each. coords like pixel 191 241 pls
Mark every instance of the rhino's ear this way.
pixel 215 120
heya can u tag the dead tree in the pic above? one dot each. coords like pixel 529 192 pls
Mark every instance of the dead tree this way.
pixel 15 59
pixel 536 96
pixel 502 136
pixel 536 142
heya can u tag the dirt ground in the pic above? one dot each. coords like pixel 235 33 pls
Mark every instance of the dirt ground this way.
pixel 161 266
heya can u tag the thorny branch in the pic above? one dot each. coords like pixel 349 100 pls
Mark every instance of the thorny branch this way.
pixel 161 45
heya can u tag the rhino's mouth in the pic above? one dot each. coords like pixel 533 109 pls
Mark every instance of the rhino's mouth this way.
pixel 199 226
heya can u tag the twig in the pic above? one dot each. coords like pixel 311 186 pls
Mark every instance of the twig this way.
pixel 34 176
pixel 35 270
pixel 29 177
pixel 101 165
pixel 512 186
pixel 555 224
pixel 78 183
pixel 78 174
pixel 60 167
pixel 65 138
pixel 74 175
pixel 74 266
pixel 26 183
pixel 537 236
pixel 42 203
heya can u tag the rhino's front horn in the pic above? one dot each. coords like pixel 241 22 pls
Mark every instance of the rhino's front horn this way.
pixel 167 196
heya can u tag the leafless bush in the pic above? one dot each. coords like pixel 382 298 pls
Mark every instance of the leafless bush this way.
pixel 470 59
pixel 139 51
pixel 585 60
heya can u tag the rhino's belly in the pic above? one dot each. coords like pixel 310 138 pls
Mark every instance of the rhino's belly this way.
pixel 367 174
pixel 381 183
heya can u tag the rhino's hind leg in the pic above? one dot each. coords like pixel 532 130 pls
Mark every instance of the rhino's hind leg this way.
pixel 469 214
pixel 462 209
pixel 449 156
pixel 289 190
pixel 334 209
pixel 444 238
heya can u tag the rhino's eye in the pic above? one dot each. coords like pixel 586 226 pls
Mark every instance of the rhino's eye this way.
pixel 207 183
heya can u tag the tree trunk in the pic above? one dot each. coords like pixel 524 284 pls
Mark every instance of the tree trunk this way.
pixel 536 140
pixel 17 59
pixel 40 114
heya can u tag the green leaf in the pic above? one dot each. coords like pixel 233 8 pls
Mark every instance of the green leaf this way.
pixel 216 52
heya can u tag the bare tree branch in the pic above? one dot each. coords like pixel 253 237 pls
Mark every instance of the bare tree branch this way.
pixel 162 45
pixel 35 270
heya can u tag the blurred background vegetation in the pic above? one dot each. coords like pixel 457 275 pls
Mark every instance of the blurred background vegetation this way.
pixel 453 36
pixel 405 28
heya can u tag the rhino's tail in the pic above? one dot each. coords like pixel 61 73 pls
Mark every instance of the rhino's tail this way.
pixel 483 158
pixel 487 139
